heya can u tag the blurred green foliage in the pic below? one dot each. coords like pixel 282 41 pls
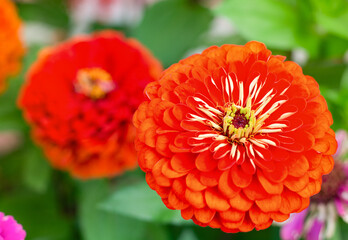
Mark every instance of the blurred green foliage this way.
pixel 52 206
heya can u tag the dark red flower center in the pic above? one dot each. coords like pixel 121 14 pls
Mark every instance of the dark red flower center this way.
pixel 331 184
pixel 239 120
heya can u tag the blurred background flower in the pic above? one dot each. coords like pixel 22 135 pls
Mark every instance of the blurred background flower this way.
pixel 320 219
pixel 109 12
pixel 11 46
pixel 10 229
pixel 79 99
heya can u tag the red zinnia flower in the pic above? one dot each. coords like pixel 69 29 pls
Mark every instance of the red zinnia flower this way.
pixel 80 97
pixel 235 137
pixel 11 47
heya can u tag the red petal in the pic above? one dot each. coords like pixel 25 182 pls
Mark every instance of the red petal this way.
pixel 239 177
pixel 182 162
pixel 205 161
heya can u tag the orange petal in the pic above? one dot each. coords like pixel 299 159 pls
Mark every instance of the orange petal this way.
pixel 270 204
pixel 187 213
pixel 205 161
pixel 296 184
pixel 175 202
pixel 314 159
pixel 226 186
pixel 315 173
pixel 162 145
pixel 193 182
pixel 179 187
pixel 163 191
pixel 247 224
pixel 313 187
pixel 327 164
pixel 279 217
pixel 231 226
pixel 257 216
pixel 298 166
pixel 157 174
pixel 255 191
pixel 304 205
pixel 269 186
pixel 204 215
pixel 169 172
pixel 170 120
pixel 264 225
pixel 232 215
pixel 150 136
pixel 148 123
pixel 215 200
pixel 291 202
pixel 210 179
pixel 147 158
pixel 182 162
pixel 215 223
pixel 240 178
pixel 196 199
pixel 241 202
pixel 278 175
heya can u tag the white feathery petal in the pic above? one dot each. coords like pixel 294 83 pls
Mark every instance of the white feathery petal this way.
pixel 330 220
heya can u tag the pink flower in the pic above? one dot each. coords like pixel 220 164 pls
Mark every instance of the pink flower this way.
pixel 318 221
pixel 10 229
pixel 112 12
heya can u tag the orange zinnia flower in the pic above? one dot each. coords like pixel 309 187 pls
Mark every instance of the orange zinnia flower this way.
pixel 11 48
pixel 235 137
pixel 80 97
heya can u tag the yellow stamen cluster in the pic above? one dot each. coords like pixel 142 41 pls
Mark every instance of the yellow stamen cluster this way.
pixel 239 122
pixel 94 82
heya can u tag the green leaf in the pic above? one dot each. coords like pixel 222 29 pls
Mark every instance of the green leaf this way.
pixel 37 171
pixel 327 73
pixel 53 12
pixel 39 214
pixel 331 8
pixel 273 22
pixel 344 81
pixel 140 202
pixel 334 46
pixel 188 234
pixel 334 24
pixel 101 225
pixel 10 115
pixel 170 28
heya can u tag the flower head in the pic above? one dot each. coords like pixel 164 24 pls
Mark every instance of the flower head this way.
pixel 235 137
pixel 11 47
pixel 10 229
pixel 318 221
pixel 80 97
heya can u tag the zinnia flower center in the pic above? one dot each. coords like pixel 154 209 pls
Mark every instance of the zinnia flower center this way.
pixel 331 184
pixel 94 82
pixel 238 122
